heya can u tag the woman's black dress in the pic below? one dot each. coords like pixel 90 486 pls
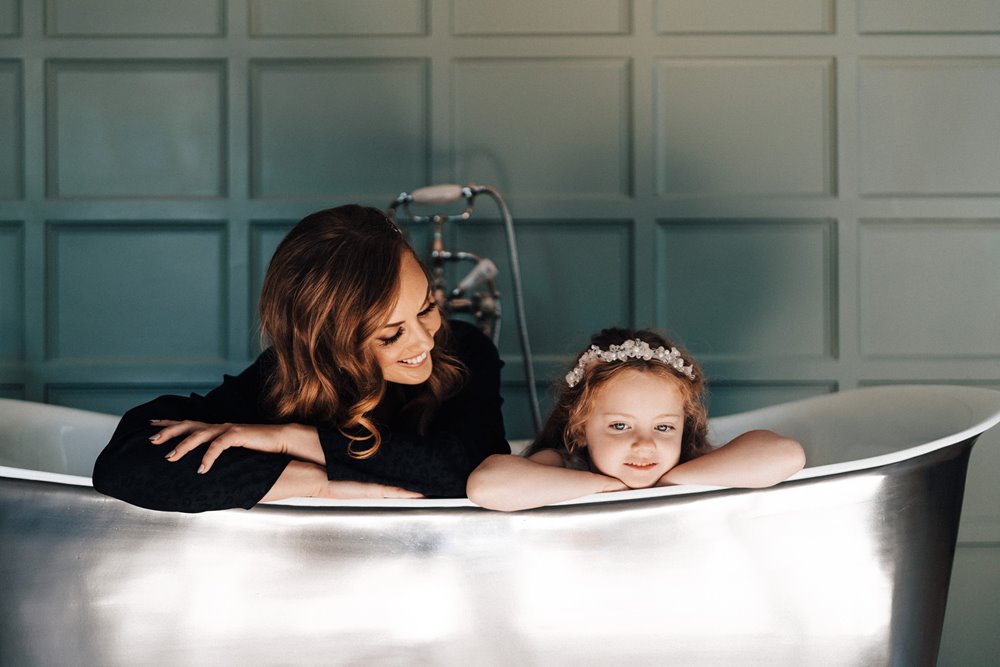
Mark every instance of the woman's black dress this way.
pixel 465 429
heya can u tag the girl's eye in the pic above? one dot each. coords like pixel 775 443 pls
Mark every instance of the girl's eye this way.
pixel 618 426
pixel 664 427
pixel 392 339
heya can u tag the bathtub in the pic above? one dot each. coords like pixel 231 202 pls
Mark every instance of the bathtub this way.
pixel 847 563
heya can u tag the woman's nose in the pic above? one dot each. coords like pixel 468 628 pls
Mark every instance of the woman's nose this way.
pixel 424 336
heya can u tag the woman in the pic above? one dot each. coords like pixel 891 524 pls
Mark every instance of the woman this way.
pixel 364 391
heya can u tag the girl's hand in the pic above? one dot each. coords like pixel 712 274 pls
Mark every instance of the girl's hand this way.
pixel 296 440
pixel 613 484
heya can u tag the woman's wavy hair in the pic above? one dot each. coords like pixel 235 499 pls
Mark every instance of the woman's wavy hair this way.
pixel 331 285
pixel 564 429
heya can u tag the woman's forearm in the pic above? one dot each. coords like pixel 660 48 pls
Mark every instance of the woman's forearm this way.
pixel 302 443
pixel 507 482
pixel 308 480
pixel 298 480
pixel 753 460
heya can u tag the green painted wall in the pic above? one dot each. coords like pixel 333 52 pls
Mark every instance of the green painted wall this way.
pixel 806 192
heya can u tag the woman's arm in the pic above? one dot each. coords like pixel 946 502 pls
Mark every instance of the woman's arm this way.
pixel 753 460
pixel 300 479
pixel 509 483
pixel 466 429
pixel 132 469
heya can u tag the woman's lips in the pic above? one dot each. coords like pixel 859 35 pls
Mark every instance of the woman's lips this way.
pixel 414 361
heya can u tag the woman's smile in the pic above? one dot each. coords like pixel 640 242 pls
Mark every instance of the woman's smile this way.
pixel 415 361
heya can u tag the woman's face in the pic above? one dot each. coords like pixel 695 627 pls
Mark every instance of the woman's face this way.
pixel 634 432
pixel 403 345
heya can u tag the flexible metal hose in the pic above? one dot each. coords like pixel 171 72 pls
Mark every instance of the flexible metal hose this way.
pixel 522 326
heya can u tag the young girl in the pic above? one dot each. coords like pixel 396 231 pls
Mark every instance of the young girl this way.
pixel 630 415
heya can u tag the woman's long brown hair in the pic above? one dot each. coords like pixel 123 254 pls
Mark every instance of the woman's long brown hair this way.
pixel 564 429
pixel 331 284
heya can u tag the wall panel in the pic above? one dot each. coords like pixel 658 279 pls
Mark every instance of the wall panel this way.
pixel 151 128
pixel 115 399
pixel 336 128
pixel 12 391
pixel 929 126
pixel 10 18
pixel 587 157
pixel 142 292
pixel 528 17
pixel 760 289
pixel 916 282
pixel 744 16
pixel 718 121
pixel 726 397
pixel 127 18
pixel 579 278
pixel 970 632
pixel 273 18
pixel 11 292
pixel 11 131
pixel 928 16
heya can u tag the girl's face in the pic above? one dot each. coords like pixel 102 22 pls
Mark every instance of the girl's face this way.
pixel 634 432
pixel 403 346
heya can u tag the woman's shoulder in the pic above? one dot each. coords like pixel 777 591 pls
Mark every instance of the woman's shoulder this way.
pixel 468 341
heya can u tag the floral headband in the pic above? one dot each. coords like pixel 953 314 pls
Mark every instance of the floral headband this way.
pixel 630 349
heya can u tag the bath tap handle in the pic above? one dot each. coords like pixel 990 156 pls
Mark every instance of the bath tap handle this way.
pixel 438 194
pixel 483 271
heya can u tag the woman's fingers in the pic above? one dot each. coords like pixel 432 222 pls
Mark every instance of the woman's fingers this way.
pixel 221 442
pixel 172 429
pixel 197 434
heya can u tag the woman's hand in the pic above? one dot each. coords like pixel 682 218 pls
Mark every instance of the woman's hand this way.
pixel 296 440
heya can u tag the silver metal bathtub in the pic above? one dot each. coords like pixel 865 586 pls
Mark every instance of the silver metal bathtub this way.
pixel 848 563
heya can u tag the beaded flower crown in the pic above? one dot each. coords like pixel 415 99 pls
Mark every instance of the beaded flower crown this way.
pixel 630 349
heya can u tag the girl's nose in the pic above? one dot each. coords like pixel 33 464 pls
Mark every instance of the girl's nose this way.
pixel 643 442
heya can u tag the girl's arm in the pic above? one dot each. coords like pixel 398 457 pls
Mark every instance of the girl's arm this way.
pixel 753 460
pixel 507 482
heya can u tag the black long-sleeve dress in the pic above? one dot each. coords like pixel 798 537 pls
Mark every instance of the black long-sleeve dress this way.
pixel 465 429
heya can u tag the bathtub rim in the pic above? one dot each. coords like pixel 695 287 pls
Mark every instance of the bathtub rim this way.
pixel 983 401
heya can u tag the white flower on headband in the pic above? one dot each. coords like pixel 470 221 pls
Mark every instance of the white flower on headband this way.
pixel 630 349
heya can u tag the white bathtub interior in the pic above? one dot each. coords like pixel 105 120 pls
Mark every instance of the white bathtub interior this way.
pixel 850 430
